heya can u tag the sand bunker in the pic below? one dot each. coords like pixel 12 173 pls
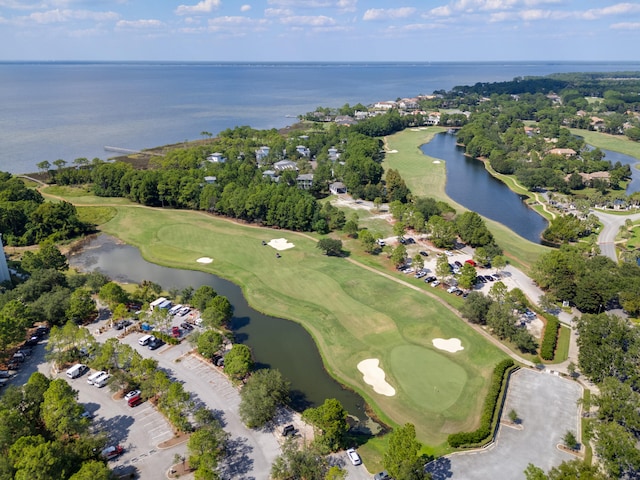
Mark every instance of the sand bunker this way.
pixel 436 161
pixel 451 345
pixel 204 260
pixel 280 244
pixel 374 376
pixel 392 151
pixel 415 130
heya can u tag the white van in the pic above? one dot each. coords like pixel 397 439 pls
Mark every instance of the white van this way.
pixel 144 340
pixel 173 310
pixel 95 376
pixel 77 370
pixel 101 381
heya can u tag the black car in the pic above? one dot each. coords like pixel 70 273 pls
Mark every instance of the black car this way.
pixel 403 241
pixel 410 241
pixel 186 326
pixel 41 331
pixel 430 279
pixel 457 264
pixel 155 343
pixel 33 341
pixel 423 253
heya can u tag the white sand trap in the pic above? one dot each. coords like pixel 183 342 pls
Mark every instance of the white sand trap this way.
pixel 422 128
pixel 451 345
pixel 415 130
pixel 280 244
pixel 373 375
pixel 204 260
pixel 436 161
pixel 392 151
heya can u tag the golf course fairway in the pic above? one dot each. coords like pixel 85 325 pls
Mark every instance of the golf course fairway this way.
pixel 352 313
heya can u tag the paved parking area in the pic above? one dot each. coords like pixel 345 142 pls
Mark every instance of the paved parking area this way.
pixel 139 430
pixel 547 405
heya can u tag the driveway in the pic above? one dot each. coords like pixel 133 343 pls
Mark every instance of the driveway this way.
pixel 546 405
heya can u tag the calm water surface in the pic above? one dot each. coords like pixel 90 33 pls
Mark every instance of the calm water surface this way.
pixel 469 184
pixel 276 343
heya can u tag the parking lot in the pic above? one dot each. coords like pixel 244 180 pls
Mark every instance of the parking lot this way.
pixel 139 429
pixel 547 406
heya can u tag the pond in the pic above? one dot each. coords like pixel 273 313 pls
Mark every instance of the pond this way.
pixel 470 185
pixel 276 343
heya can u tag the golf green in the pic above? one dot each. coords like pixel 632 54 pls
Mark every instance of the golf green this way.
pixel 430 380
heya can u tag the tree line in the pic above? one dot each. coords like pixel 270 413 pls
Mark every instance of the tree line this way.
pixel 26 219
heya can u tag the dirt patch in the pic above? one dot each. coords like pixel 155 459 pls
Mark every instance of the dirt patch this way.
pixel 175 440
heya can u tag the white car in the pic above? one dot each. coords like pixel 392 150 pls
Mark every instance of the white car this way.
pixel 132 394
pixel 354 457
pixel 435 283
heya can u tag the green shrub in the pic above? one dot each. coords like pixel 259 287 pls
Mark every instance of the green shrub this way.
pixel 550 338
pixel 489 410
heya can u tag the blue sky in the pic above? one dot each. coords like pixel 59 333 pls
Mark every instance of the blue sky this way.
pixel 319 30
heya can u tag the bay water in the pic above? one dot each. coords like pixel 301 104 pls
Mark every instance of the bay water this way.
pixel 69 110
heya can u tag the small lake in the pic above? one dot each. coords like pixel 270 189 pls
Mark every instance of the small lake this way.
pixel 276 343
pixel 470 185
pixel 613 157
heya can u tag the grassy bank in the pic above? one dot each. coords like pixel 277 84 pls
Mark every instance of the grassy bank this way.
pixel 616 143
pixel 426 178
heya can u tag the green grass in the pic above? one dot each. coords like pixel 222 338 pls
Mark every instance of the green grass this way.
pixel 96 215
pixel 80 196
pixel 616 143
pixel 352 314
pixel 426 178
pixel 562 346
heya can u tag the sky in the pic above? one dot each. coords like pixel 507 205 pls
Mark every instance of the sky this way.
pixel 320 30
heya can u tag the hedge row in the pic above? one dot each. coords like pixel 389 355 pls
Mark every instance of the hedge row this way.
pixel 548 347
pixel 484 431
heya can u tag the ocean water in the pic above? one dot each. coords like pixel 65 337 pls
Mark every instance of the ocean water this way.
pixel 67 110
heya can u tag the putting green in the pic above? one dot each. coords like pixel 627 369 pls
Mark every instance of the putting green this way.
pixel 429 379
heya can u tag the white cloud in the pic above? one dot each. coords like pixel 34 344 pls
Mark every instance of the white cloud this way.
pixel 139 24
pixel 205 6
pixel 245 8
pixel 347 5
pixel 236 25
pixel 313 21
pixel 626 26
pixel 278 12
pixel 442 11
pixel 388 13
pixel 617 9
pixel 66 15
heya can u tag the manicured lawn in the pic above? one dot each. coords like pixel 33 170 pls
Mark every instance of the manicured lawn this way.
pixel 426 178
pixel 352 313
pixel 616 143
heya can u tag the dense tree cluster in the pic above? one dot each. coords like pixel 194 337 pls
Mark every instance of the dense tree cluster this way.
pixel 26 219
pixel 609 355
pixel 591 283
pixel 42 433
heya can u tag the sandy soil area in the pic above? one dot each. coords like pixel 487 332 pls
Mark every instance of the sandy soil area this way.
pixel 280 244
pixel 451 345
pixel 373 375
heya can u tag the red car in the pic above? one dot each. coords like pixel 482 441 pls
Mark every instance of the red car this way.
pixel 471 262
pixel 112 452
pixel 175 331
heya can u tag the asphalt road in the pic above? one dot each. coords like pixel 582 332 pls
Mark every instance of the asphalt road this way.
pixel 610 227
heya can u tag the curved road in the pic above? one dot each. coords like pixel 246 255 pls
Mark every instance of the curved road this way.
pixel 610 227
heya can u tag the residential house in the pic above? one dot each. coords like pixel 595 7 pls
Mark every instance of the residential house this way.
pixel 345 120
pixel 271 174
pixel 216 157
pixel 337 188
pixel 283 165
pixel 566 152
pixel 305 181
pixel 588 178
pixel 388 105
pixel 210 180
pixel 262 153
pixel 333 154
pixel 303 151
